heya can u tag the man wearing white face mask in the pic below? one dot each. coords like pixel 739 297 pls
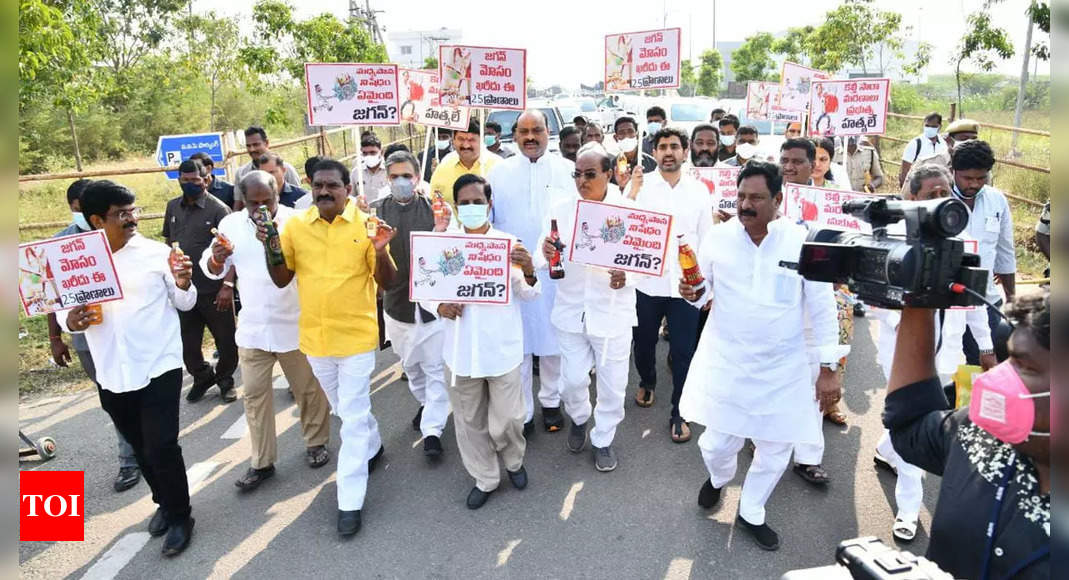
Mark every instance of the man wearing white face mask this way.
pixel 745 140
pixel 414 332
pixel 373 175
pixel 729 126
pixel 625 134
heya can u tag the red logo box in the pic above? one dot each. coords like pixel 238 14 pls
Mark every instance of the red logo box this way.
pixel 51 506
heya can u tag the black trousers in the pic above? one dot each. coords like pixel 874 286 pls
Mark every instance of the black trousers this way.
pixel 222 326
pixel 148 420
pixel 682 338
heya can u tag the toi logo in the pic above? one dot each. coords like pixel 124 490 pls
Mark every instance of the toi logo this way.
pixel 51 506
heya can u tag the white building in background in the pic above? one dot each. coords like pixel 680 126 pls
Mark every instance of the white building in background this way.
pixel 410 48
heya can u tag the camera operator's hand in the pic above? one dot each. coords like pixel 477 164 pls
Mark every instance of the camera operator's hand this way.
pixel 829 389
pixel 914 358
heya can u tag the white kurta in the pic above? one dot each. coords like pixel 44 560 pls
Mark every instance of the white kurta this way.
pixel 522 194
pixel 750 376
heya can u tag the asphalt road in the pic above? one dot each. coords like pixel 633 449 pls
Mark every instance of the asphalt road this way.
pixel 641 521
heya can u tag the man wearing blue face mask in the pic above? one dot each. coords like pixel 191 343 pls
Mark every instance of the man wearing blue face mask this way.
pixel 927 145
pixel 993 515
pixel 492 140
pixel 415 333
pixel 129 473
pixel 189 220
pixel 655 120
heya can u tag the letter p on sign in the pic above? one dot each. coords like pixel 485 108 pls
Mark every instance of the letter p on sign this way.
pixel 51 506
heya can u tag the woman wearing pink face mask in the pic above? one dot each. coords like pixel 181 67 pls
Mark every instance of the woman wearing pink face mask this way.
pixel 993 516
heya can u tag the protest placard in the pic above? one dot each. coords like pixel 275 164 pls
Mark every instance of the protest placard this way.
pixel 795 81
pixel 480 76
pixel 65 272
pixel 620 238
pixel 419 102
pixel 352 94
pixel 459 269
pixel 642 60
pixel 764 102
pixel 722 183
pixel 854 107
pixel 822 207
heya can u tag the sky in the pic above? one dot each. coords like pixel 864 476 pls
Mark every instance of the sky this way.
pixel 556 32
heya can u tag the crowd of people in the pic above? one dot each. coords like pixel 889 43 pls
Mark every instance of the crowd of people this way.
pixel 315 276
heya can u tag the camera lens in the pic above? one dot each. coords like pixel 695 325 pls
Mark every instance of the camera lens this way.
pixel 951 217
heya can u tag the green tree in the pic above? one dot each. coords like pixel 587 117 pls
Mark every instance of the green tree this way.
pixel 431 62
pixel 793 45
pixel 282 42
pixel 982 43
pixel 217 57
pixel 854 33
pixel 752 61
pixel 709 73
pixel 921 60
pixel 132 29
pixel 688 82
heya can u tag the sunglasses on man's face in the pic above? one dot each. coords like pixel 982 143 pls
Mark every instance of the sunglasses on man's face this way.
pixel 589 174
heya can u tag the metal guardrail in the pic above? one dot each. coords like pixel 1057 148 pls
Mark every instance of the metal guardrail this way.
pixel 1009 162
pixel 1024 200
pixel 982 125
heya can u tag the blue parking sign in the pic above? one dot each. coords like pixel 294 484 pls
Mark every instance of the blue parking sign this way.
pixel 174 149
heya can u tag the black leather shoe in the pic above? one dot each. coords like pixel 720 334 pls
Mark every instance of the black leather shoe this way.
pixel 374 461
pixel 477 497
pixel 178 538
pixel 528 427
pixel 348 522
pixel 127 478
pixel 200 386
pixel 552 419
pixel 157 526
pixel 227 392
pixel 518 477
pixel 417 419
pixel 432 446
pixel 766 537
pixel 709 495
pixel 254 477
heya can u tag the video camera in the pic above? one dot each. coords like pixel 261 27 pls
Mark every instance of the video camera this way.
pixel 928 268
pixel 869 558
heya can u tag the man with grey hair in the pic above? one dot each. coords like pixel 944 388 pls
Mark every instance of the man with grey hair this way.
pixel 415 333
pixel 267 333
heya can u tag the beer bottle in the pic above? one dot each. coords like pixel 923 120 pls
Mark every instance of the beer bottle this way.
pixel 556 268
pixel 372 223
pixel 438 205
pixel 688 262
pixel 222 240
pixel 272 244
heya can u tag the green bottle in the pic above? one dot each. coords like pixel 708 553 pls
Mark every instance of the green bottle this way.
pixel 273 244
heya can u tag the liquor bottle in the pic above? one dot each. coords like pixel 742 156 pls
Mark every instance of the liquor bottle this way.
pixel 438 205
pixel 272 244
pixel 556 268
pixel 372 223
pixel 96 313
pixel 222 240
pixel 621 164
pixel 688 262
pixel 176 255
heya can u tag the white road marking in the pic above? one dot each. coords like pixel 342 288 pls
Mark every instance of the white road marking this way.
pixel 644 433
pixel 117 557
pixel 679 569
pixel 504 555
pixel 569 501
pixel 239 429
pixel 197 474
pixel 280 383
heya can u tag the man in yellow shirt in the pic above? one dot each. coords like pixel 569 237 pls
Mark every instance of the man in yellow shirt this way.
pixel 467 157
pixel 337 265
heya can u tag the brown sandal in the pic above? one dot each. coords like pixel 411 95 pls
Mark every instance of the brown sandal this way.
pixel 645 397
pixel 680 430
pixel 834 415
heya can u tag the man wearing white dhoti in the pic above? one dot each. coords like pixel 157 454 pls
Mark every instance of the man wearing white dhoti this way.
pixel 750 377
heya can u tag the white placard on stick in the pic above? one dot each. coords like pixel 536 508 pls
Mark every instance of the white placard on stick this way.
pixel 795 81
pixel 419 102
pixel 459 269
pixel 617 237
pixel 352 94
pixel 854 107
pixel 480 76
pixel 823 207
pixel 642 60
pixel 722 183
pixel 764 102
pixel 65 272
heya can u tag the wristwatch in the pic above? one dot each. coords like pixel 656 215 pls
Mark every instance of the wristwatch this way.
pixel 833 367
pixel 987 351
pixel 228 283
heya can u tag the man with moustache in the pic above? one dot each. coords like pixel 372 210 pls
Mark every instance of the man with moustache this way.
pixel 570 141
pixel 137 349
pixel 337 266
pixel 704 143
pixel 749 379
pixel 669 190
pixel 525 187
pixel 467 157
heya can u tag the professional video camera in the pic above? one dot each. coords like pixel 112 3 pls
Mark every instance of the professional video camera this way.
pixel 928 268
pixel 869 558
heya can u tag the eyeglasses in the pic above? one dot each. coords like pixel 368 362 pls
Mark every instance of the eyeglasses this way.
pixel 128 214
pixel 589 174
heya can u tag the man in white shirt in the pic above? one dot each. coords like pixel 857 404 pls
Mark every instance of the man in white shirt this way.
pixel 929 144
pixel 484 356
pixel 991 223
pixel 525 187
pixel 256 145
pixel 593 314
pixel 751 377
pixel 137 347
pixel 267 333
pixel 668 190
